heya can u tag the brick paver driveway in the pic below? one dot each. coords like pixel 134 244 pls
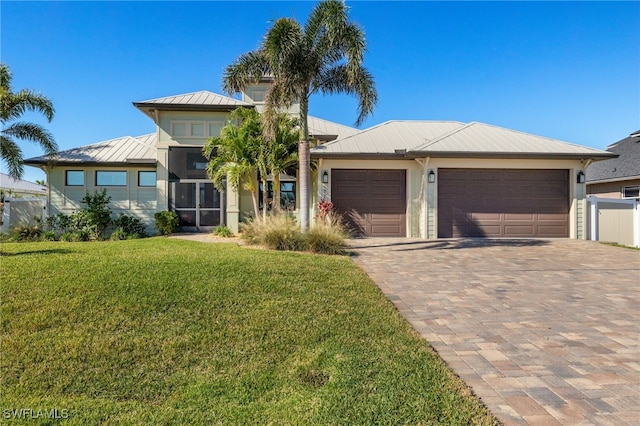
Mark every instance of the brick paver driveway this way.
pixel 544 331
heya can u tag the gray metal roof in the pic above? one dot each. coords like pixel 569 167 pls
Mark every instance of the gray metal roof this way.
pixel 480 138
pixel 387 137
pixel 196 101
pixel 626 166
pixel 19 185
pixel 201 98
pixel 127 149
pixel 328 130
pixel 452 139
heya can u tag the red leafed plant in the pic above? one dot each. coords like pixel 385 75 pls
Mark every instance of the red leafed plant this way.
pixel 324 208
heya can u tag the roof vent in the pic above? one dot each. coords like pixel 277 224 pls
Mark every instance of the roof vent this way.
pixel 401 151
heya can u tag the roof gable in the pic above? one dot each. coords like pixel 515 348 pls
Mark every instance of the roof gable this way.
pixel 126 149
pixel 626 166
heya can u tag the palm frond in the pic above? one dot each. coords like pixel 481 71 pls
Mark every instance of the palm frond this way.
pixel 34 133
pixel 13 105
pixel 11 154
pixel 247 69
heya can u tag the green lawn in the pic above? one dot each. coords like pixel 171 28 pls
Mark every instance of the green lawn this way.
pixel 171 331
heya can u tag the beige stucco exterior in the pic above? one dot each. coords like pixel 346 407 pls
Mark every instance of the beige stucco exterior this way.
pixel 422 197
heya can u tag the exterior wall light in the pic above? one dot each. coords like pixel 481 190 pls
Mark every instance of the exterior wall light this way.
pixel 431 177
pixel 325 177
pixel 581 177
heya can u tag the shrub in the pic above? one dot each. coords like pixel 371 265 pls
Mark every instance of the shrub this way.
pixel 222 231
pixel 97 215
pixel 27 232
pixel 49 235
pixel 129 225
pixel 327 236
pixel 118 234
pixel 167 222
pixel 278 232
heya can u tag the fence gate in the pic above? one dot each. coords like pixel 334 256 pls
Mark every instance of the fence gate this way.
pixel 614 220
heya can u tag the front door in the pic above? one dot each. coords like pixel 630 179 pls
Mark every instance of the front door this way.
pixel 198 203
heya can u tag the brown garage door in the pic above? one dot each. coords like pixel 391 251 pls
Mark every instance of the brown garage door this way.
pixel 373 201
pixel 503 203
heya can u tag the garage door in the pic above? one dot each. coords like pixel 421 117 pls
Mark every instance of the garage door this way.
pixel 373 201
pixel 503 203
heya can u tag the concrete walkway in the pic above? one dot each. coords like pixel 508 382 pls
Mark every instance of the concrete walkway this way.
pixel 544 331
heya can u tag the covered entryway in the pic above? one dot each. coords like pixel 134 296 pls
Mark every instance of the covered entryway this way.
pixel 374 202
pixel 503 203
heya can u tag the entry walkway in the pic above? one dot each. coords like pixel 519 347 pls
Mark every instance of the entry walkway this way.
pixel 544 331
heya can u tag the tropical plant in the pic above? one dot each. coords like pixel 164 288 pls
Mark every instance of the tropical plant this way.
pixel 12 106
pixel 323 56
pixel 128 226
pixel 235 154
pixel 97 215
pixel 222 231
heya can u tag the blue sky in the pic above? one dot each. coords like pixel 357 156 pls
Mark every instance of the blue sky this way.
pixel 565 70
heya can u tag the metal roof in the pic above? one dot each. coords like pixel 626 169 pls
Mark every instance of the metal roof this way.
pixel 626 166
pixel 328 130
pixel 485 139
pixel 388 137
pixel 127 149
pixel 201 98
pixel 416 139
pixel 19 185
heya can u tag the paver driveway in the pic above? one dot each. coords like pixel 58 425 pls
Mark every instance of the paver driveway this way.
pixel 543 331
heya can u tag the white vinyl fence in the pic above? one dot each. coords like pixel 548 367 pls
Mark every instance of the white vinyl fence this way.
pixel 22 211
pixel 613 220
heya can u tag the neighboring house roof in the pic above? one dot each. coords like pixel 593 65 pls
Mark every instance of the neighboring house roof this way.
pixel 387 137
pixel 625 167
pixel 452 139
pixel 20 186
pixel 127 149
pixel 196 101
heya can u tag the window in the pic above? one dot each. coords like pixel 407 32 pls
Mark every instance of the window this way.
pixel 197 130
pixel 631 191
pixel 111 178
pixel 179 129
pixel 215 128
pixel 74 178
pixel 258 95
pixel 146 178
pixel 287 195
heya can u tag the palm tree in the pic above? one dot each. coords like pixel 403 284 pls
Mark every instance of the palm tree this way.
pixel 281 151
pixel 323 56
pixel 235 154
pixel 12 106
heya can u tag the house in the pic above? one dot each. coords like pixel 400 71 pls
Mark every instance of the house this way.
pixel 18 188
pixel 617 177
pixel 428 179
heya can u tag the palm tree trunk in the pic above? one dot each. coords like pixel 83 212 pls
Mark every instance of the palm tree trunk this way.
pixel 265 197
pixel 276 191
pixel 303 167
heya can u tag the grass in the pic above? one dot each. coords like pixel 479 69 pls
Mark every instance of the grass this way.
pixel 170 331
